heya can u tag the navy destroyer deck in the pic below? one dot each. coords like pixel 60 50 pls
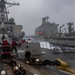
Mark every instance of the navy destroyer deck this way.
pixel 50 70
pixel 30 70
pixel 9 70
pixel 39 70
pixel 1 66
pixel 53 70
pixel 68 57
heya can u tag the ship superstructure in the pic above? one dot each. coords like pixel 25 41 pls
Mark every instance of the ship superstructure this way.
pixel 47 28
pixel 66 39
pixel 8 26
pixel 50 33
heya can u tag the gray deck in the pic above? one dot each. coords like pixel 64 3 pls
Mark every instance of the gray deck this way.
pixel 1 66
pixel 68 57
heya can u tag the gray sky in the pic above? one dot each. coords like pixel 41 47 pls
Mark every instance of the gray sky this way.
pixel 30 13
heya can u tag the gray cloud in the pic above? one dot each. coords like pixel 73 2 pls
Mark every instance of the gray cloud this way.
pixel 31 12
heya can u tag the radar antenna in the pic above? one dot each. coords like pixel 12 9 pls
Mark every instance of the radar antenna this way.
pixel 47 18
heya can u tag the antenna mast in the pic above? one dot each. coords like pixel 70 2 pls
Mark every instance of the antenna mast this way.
pixel 3 10
pixel 70 27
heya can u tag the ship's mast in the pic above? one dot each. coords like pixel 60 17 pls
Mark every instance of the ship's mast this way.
pixel 47 18
pixel 70 27
pixel 3 10
pixel 4 14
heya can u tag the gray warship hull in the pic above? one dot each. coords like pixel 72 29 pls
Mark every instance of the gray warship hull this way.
pixel 62 42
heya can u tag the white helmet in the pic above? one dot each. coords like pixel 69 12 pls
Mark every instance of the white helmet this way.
pixel 20 65
pixel 35 74
pixel 3 72
pixel 4 39
pixel 16 68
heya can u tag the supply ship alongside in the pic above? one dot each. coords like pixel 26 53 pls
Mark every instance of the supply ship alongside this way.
pixel 49 31
pixel 30 59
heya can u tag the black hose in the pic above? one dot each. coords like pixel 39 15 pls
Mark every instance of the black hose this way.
pixel 28 55
pixel 47 62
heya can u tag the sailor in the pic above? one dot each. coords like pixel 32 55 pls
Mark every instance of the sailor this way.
pixel 5 42
pixel 14 46
pixel 21 42
pixel 29 41
pixel 22 70
pixel 5 49
pixel 13 63
pixel 17 71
